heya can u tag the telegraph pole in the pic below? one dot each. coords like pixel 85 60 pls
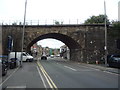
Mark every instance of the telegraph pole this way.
pixel 106 51
pixel 119 11
pixel 23 34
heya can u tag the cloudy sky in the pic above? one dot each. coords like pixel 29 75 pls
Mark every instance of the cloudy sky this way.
pixel 46 11
pixel 52 43
pixel 57 9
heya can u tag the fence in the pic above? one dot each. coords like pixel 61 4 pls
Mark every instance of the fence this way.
pixel 40 22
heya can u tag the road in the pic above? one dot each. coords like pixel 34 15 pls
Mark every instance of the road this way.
pixel 57 73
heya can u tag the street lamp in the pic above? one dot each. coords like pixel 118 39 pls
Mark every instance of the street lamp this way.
pixel 23 34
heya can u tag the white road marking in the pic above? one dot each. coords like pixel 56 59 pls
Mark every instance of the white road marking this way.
pixel 41 77
pixel 70 68
pixel 99 70
pixel 110 72
pixel 90 68
pixel 49 80
pixel 23 87
pixel 8 77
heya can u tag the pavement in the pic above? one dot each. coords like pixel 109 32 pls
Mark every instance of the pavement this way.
pixel 25 77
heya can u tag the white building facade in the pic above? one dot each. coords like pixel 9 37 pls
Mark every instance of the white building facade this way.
pixel 65 52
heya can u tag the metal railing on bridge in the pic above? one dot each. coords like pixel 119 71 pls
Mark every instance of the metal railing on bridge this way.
pixel 41 22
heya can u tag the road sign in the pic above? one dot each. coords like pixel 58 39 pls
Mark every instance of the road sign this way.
pixel 10 43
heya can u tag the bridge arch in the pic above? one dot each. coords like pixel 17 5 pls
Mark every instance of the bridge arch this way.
pixel 71 43
pixel 86 42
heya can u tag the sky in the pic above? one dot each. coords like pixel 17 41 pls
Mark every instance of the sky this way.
pixel 51 43
pixel 46 11
pixel 61 10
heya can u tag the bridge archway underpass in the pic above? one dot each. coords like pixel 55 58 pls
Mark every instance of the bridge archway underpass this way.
pixel 72 44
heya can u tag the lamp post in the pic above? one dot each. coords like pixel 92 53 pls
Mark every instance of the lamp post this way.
pixel 119 11
pixel 106 52
pixel 23 34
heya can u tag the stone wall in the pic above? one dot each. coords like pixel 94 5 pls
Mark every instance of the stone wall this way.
pixel 16 33
pixel 86 42
pixel 0 39
pixel 113 35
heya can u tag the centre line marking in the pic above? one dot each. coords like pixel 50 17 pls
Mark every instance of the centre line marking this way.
pixel 70 68
pixel 49 80
pixel 45 75
pixel 41 77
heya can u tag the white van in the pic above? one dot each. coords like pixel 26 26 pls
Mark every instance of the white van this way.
pixel 29 57
pixel 26 56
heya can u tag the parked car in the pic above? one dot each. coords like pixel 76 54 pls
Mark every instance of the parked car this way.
pixel 44 58
pixel 114 61
pixel 3 65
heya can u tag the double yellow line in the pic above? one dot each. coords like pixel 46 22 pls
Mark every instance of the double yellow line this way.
pixel 49 80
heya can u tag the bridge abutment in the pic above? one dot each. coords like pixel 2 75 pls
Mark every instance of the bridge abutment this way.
pixel 76 55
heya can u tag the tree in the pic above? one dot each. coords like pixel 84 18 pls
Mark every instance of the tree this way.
pixel 20 23
pixel 97 20
pixel 114 32
pixel 14 23
pixel 57 22
pixel 116 24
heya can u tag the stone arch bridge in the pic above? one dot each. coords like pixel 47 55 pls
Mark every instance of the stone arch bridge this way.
pixel 86 42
